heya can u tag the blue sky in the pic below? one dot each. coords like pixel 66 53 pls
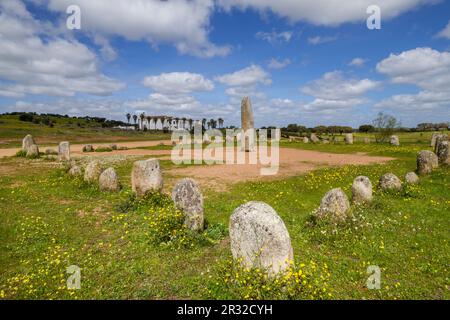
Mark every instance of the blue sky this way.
pixel 306 62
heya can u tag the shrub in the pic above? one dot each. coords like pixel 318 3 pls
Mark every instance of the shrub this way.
pixel 21 153
pixel 103 149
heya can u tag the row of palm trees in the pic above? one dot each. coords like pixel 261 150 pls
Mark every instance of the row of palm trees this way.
pixel 144 121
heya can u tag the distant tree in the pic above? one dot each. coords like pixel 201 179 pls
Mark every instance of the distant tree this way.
pixel 366 128
pixel 135 117
pixel 320 129
pixel 220 120
pixel 385 126
pixel 128 118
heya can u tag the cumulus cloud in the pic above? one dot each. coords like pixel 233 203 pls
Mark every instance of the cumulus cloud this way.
pixel 326 12
pixel 425 68
pixel 446 32
pixel 178 83
pixel 278 64
pixel 275 37
pixel 185 24
pixel 54 66
pixel 357 62
pixel 249 76
pixel 333 86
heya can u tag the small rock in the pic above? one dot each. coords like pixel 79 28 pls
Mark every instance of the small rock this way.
pixel 113 146
pixel 362 190
pixel 109 181
pixel 33 151
pixel 411 178
pixel 146 177
pixel 390 182
pixel 259 238
pixel 75 171
pixel 64 151
pixel 426 162
pixel 92 171
pixel 88 148
pixel 314 138
pixel 334 206
pixel 188 198
pixel 395 141
pixel 443 153
pixel 348 138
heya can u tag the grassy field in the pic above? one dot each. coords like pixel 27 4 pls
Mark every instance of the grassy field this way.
pixel 129 249
pixel 12 131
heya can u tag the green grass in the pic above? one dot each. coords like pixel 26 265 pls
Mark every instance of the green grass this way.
pixel 49 221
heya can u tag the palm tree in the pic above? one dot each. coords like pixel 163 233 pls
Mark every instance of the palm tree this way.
pixel 128 117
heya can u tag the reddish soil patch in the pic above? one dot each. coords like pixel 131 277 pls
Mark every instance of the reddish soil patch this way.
pixel 292 162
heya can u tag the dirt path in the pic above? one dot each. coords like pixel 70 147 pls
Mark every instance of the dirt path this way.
pixel 77 149
pixel 292 162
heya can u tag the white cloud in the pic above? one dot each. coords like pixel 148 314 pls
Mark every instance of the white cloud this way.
pixel 424 67
pixel 178 83
pixel 249 76
pixel 278 64
pixel 54 66
pixel 446 32
pixel 333 86
pixel 326 12
pixel 357 62
pixel 185 24
pixel 275 37
pixel 319 40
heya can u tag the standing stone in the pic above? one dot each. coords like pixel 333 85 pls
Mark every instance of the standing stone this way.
pixel 314 138
pixel 109 181
pixel 443 153
pixel 348 138
pixel 88 148
pixel 433 139
pixel 362 190
pixel 395 141
pixel 146 177
pixel 27 142
pixel 334 206
pixel 411 178
pixel 92 171
pixel 75 171
pixel 440 138
pixel 426 162
pixel 259 238
pixel 64 151
pixel 248 125
pixel 305 140
pixel 188 198
pixel 390 182
pixel 33 151
pixel 113 146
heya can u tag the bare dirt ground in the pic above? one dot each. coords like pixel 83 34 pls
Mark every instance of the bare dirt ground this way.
pixel 292 162
pixel 77 149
